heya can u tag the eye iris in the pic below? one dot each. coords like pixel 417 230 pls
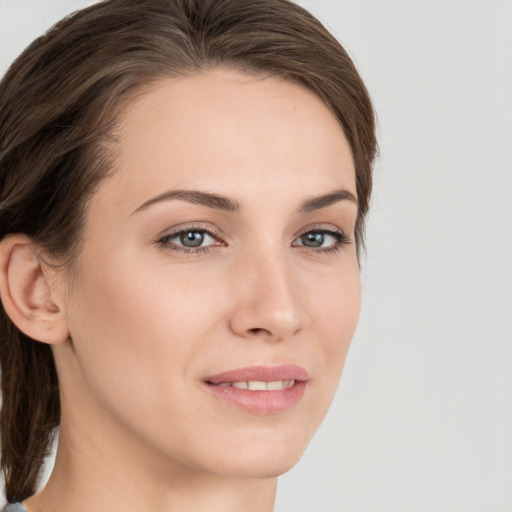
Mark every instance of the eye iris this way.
pixel 313 239
pixel 192 238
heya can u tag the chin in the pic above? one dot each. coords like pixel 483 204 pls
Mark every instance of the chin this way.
pixel 259 469
pixel 264 458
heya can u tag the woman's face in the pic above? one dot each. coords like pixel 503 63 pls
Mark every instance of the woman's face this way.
pixel 219 256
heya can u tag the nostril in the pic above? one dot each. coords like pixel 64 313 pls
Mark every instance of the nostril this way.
pixel 258 330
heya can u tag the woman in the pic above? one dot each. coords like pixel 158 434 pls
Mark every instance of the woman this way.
pixel 183 191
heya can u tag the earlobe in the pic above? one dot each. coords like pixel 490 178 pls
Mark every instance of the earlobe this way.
pixel 26 293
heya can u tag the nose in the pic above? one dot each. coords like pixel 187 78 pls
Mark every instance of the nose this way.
pixel 268 298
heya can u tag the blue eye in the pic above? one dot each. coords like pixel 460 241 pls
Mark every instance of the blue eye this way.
pixel 192 238
pixel 314 239
pixel 322 239
pixel 189 240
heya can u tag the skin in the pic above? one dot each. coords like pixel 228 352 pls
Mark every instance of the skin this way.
pixel 147 323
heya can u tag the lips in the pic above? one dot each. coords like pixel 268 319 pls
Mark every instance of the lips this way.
pixel 261 373
pixel 260 389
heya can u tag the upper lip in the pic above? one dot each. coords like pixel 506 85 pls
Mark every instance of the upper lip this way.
pixel 261 373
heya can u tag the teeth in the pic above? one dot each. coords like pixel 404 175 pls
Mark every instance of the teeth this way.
pixel 278 384
pixel 256 385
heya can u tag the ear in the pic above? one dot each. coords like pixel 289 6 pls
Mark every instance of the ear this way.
pixel 29 298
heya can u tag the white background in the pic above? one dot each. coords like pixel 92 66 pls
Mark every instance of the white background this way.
pixel 423 417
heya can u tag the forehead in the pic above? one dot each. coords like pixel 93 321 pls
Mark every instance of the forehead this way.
pixel 231 133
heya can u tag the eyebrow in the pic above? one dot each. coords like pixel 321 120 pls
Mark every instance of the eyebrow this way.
pixel 325 200
pixel 219 202
pixel 208 199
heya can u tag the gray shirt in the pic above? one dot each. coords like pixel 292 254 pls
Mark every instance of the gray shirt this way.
pixel 14 507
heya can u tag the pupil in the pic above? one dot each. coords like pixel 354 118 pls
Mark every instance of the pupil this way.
pixel 192 238
pixel 313 239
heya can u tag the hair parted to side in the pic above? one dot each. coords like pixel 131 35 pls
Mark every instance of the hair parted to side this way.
pixel 58 104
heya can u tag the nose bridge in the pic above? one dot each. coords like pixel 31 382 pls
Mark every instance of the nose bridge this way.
pixel 268 299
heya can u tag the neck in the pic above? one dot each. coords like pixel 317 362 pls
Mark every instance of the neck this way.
pixel 92 474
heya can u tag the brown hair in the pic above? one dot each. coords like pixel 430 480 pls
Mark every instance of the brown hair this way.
pixel 58 103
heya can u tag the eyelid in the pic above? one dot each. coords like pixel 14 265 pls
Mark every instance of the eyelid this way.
pixel 331 228
pixel 339 234
pixel 211 230
pixel 164 242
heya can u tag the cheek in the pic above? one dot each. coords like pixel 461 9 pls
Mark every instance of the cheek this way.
pixel 346 301
pixel 137 333
pixel 336 317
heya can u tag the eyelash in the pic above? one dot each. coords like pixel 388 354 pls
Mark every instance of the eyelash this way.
pixel 340 236
pixel 165 240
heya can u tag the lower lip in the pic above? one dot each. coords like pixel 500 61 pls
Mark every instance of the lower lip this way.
pixel 261 402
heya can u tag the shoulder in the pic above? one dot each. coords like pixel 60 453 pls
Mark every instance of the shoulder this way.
pixel 14 507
